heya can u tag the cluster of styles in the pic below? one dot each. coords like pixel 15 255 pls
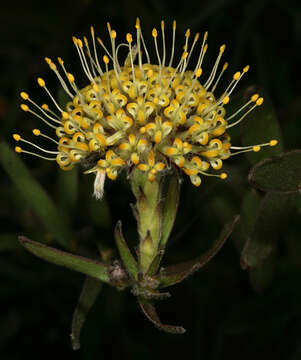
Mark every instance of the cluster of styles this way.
pixel 141 115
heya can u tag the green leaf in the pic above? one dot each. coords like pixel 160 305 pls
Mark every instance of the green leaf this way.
pixel 174 274
pixel 88 296
pixel 84 265
pixel 259 127
pixel 154 266
pixel 170 208
pixel 271 217
pixel 281 173
pixel 34 194
pixel 150 312
pixel 128 260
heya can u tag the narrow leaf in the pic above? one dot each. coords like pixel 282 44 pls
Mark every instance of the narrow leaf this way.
pixel 150 312
pixel 87 298
pixel 84 265
pixel 270 219
pixel 170 208
pixel 154 266
pixel 176 273
pixel 281 173
pixel 125 253
pixel 35 196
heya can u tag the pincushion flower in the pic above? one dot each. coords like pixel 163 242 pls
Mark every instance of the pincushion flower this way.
pixel 148 119
pixel 138 114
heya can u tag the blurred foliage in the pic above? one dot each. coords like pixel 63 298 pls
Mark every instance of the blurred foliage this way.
pixel 227 311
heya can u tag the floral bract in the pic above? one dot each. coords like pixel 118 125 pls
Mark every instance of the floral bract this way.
pixel 140 114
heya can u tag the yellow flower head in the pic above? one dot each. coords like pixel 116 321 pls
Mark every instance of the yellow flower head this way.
pixel 140 114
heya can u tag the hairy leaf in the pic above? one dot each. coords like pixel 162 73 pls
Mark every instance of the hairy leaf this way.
pixel 176 273
pixel 150 312
pixel 89 293
pixel 281 173
pixel 170 208
pixel 84 265
pixel 128 260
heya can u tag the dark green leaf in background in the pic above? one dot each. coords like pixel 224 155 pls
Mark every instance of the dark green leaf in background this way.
pixel 36 197
pixel 259 127
pixel 280 173
pixel 271 217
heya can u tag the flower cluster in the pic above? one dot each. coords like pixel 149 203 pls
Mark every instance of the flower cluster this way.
pixel 142 115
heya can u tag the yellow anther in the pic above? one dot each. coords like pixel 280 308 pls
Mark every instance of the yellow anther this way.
pixel 171 151
pixel 184 55
pixel 198 73
pixel 154 33
pixel 256 148
pixel 24 107
pixel 273 142
pixel 65 115
pixel 187 33
pixel 113 34
pixel 92 30
pixel 105 59
pixel 222 48
pixel 48 60
pixel 95 87
pixel 223 176
pixel 159 166
pixel 236 76
pixel 132 139
pixel 41 82
pixel 194 128
pixel 162 24
pixel 60 60
pixel 36 132
pixel 17 137
pixel 226 100
pixel 205 35
pixel 254 97
pixel 225 66
pixel 135 158
pixel 45 107
pixel 259 101
pixel 18 149
pixel 137 23
pixel 79 43
pixel 205 48
pixel 196 180
pixel 124 146
pixel 52 66
pixel 143 167
pixel 118 162
pixel 246 68
pixel 158 137
pixel 129 38
pixel 70 77
pixel 174 24
pixel 74 39
pixel 24 95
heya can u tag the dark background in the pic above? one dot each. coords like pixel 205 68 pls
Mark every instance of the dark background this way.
pixel 228 312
